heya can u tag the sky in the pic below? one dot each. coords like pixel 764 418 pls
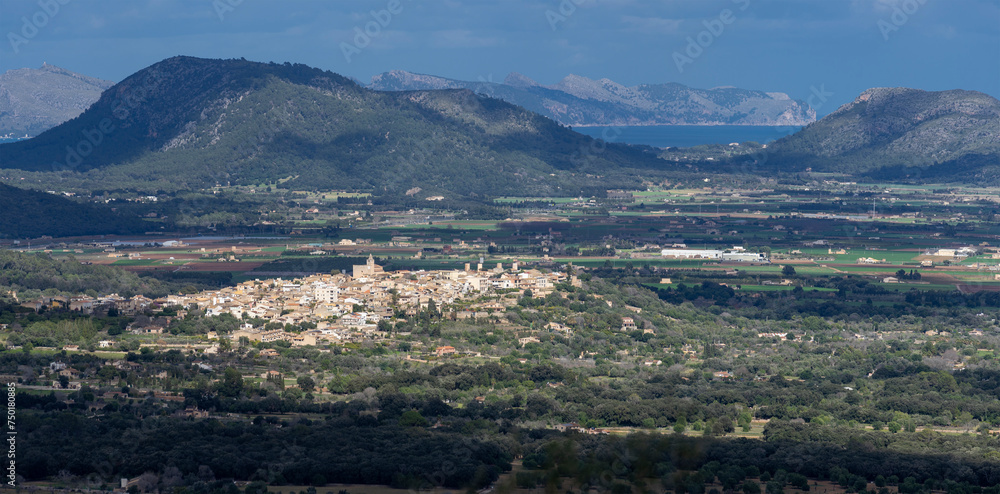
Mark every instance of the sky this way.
pixel 825 52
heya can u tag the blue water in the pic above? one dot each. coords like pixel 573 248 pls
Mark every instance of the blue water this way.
pixel 687 135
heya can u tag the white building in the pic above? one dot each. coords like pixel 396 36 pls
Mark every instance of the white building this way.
pixel 692 253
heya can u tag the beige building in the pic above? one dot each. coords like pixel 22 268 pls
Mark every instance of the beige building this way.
pixel 368 269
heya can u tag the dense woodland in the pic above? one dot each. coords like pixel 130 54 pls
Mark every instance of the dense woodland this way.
pixel 32 275
pixel 39 213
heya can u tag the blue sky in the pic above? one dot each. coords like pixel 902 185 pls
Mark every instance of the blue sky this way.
pixel 837 48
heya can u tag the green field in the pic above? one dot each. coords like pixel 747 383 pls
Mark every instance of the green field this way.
pixel 553 200
pixel 137 262
pixel 781 288
pixel 448 225
pixel 904 287
pixel 891 257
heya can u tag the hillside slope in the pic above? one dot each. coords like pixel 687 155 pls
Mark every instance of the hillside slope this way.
pixel 29 213
pixel 35 100
pixel 186 123
pixel 900 132
pixel 580 101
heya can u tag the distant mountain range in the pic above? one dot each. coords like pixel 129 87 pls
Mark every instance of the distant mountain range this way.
pixel 579 101
pixel 187 123
pixel 899 133
pixel 35 100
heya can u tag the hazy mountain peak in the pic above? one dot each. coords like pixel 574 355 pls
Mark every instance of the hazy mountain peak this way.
pixel 402 80
pixel 579 100
pixel 572 80
pixel 601 90
pixel 516 79
pixel 34 100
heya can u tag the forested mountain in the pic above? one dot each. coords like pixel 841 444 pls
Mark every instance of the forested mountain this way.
pixel 894 133
pixel 35 100
pixel 29 213
pixel 578 100
pixel 189 122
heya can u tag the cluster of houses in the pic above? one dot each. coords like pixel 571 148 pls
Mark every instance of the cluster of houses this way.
pixel 343 306
pixel 89 305
pixel 337 307
pixel 575 427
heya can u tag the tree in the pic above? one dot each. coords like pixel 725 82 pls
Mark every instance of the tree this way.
pixel 306 383
pixel 750 487
pixel 384 326
pixel 798 481
pixel 787 270
pixel 412 418
pixel 148 481
pixel 232 383
pixel 107 373
pixel 879 481
pixel 681 425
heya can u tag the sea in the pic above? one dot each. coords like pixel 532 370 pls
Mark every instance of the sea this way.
pixel 684 136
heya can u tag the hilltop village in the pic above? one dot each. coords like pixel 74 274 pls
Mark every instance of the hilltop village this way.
pixel 335 307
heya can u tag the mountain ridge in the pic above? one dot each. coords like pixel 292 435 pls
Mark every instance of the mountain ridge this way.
pixel 579 101
pixel 909 131
pixel 189 123
pixel 35 100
